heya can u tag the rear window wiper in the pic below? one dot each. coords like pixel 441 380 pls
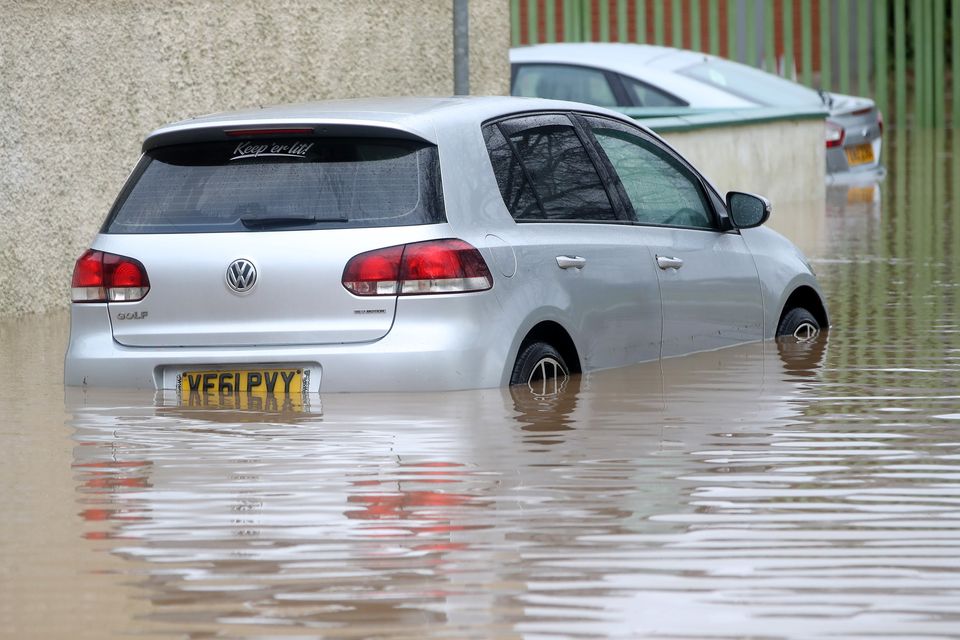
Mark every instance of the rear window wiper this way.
pixel 286 221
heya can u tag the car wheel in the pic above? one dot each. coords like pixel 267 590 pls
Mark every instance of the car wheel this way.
pixel 800 324
pixel 540 367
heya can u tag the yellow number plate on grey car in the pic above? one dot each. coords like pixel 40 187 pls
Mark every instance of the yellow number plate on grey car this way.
pixel 860 154
pixel 225 381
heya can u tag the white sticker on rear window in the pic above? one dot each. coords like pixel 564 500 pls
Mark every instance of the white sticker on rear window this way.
pixel 275 149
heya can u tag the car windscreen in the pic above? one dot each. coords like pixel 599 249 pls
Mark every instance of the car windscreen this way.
pixel 279 184
pixel 752 84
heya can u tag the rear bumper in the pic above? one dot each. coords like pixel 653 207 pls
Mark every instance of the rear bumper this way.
pixel 440 344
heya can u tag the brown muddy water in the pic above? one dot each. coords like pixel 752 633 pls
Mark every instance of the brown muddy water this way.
pixel 768 491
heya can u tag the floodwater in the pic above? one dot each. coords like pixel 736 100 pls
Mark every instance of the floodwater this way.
pixel 769 491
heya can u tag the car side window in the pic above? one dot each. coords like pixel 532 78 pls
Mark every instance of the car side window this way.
pixel 660 189
pixel 564 82
pixel 514 187
pixel 545 174
pixel 643 95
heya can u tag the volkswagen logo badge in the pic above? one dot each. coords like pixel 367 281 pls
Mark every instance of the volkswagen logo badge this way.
pixel 241 276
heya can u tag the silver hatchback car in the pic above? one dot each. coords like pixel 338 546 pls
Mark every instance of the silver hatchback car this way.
pixel 420 244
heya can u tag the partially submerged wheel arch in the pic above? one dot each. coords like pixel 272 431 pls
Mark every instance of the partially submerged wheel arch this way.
pixel 806 297
pixel 553 334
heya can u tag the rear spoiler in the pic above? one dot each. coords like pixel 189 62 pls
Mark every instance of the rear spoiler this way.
pixel 185 134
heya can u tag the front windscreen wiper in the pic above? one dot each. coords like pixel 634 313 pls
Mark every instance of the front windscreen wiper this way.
pixel 286 221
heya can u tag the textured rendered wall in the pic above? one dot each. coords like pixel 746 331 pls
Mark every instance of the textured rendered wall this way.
pixel 82 82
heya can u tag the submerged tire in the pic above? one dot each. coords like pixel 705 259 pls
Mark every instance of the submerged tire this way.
pixel 800 324
pixel 537 364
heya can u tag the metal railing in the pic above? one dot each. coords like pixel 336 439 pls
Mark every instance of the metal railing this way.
pixel 886 49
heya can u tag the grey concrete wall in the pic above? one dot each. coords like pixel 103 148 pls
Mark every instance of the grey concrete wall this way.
pixel 81 83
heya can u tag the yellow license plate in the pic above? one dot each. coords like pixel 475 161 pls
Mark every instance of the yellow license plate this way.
pixel 244 381
pixel 859 154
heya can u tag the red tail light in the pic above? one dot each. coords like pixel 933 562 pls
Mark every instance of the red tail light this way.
pixel 435 266
pixel 88 285
pixel 374 273
pixel 880 121
pixel 102 277
pixel 835 135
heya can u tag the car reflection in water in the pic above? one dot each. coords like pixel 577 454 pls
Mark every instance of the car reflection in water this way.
pixel 394 512
pixel 854 194
pixel 854 199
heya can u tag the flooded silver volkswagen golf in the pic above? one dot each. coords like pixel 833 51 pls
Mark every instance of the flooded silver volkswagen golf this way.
pixel 414 243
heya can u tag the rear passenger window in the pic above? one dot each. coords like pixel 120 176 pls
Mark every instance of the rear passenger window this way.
pixel 514 186
pixel 544 173
pixel 643 95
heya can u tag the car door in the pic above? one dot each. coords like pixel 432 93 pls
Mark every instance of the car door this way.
pixel 709 285
pixel 575 265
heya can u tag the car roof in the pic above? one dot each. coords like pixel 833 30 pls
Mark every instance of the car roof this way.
pixel 417 118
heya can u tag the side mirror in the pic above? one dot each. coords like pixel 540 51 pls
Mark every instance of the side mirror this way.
pixel 747 210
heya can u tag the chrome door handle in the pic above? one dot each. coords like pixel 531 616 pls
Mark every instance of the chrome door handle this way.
pixel 669 263
pixel 571 262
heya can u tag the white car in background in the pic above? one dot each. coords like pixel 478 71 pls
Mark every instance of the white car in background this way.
pixel 632 75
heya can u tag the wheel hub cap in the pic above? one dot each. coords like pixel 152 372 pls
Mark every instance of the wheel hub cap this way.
pixel 806 332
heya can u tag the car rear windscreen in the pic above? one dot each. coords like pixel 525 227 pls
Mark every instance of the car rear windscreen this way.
pixel 280 184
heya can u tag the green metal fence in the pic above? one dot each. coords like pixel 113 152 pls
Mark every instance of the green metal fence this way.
pixel 900 52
